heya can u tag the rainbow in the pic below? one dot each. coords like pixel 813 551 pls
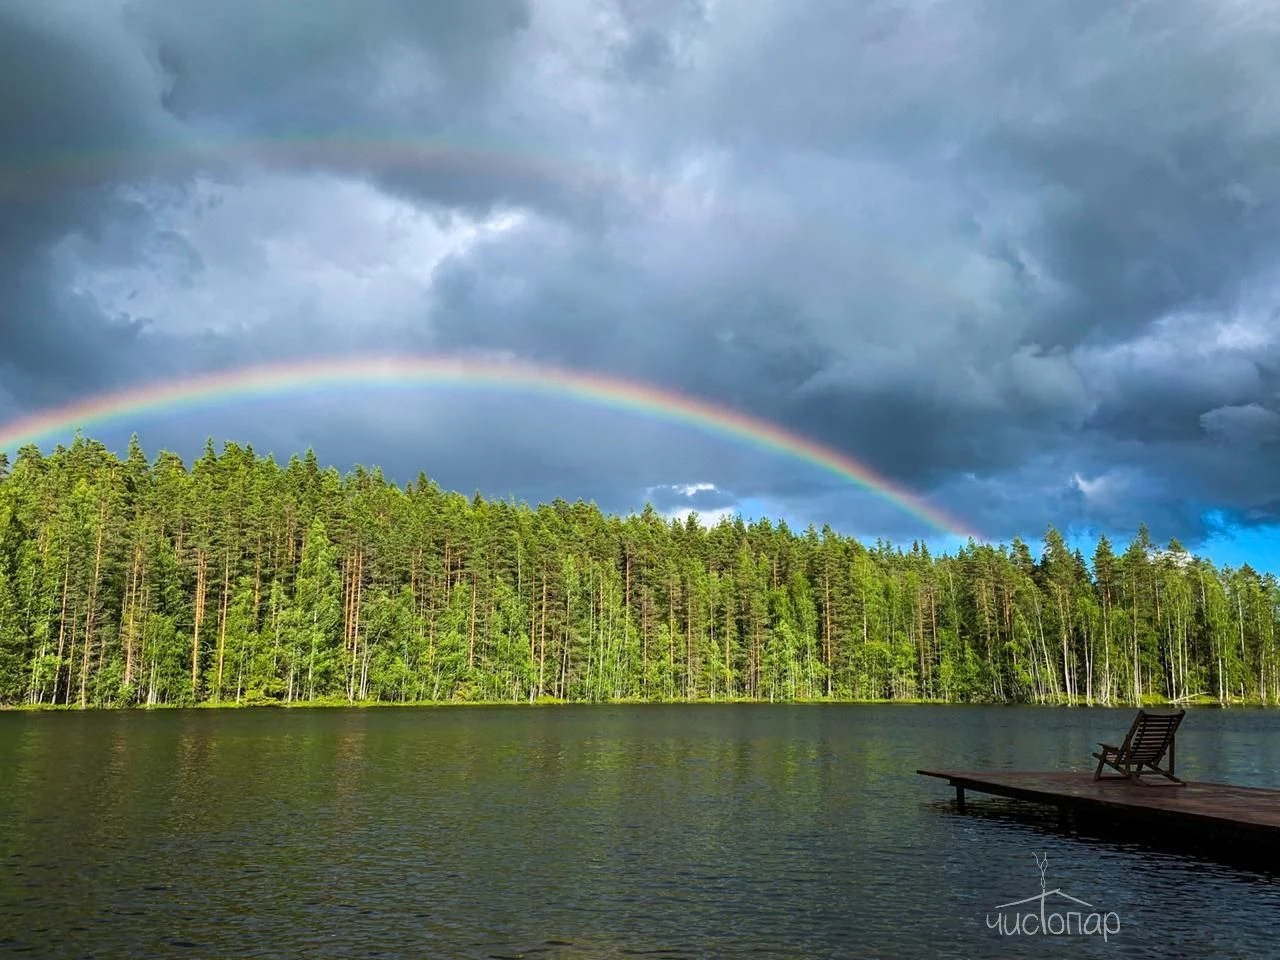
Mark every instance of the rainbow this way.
pixel 472 373
pixel 349 151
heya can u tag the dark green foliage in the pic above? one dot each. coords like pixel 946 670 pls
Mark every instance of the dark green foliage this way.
pixel 237 580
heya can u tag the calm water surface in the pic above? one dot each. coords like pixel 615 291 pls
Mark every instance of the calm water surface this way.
pixel 667 831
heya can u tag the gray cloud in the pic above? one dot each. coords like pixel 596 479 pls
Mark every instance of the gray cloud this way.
pixel 76 87
pixel 1017 260
pixel 1249 424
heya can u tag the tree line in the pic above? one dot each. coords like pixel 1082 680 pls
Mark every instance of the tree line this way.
pixel 237 580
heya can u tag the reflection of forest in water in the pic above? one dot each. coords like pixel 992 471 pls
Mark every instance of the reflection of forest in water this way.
pixel 570 831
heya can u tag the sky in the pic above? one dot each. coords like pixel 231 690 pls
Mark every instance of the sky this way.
pixel 1019 260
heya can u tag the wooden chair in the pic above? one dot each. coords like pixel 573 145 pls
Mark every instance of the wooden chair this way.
pixel 1145 745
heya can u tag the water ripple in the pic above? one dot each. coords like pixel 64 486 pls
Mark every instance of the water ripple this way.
pixel 672 832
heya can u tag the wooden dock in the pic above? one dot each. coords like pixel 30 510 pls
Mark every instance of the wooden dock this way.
pixel 1209 812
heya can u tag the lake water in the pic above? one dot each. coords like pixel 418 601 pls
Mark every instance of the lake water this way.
pixel 565 832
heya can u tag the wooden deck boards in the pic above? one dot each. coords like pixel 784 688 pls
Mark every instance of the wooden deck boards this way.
pixel 1211 809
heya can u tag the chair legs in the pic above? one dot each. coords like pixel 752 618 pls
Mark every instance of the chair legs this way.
pixel 1135 775
pixel 1167 774
pixel 1108 759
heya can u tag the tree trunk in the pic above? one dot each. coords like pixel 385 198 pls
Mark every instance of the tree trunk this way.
pixel 195 632
pixel 471 630
pixel 62 632
pixel 224 605
pixel 542 638
pixel 131 605
pixel 89 613
pixel 827 654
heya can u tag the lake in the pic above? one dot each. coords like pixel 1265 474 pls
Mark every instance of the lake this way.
pixel 575 832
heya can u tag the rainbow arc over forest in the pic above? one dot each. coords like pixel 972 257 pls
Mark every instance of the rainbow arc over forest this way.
pixel 472 374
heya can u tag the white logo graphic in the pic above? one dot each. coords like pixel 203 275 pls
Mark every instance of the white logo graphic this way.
pixel 1065 915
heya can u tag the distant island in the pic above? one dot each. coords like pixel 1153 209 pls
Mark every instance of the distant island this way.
pixel 239 581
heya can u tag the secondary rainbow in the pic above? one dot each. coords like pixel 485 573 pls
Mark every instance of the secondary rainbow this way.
pixel 338 152
pixel 512 165
pixel 470 373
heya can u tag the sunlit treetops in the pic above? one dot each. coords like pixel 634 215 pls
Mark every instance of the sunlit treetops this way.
pixel 235 579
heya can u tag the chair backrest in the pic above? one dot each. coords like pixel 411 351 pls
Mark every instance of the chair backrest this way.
pixel 1150 735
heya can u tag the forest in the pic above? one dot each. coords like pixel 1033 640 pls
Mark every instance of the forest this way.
pixel 235 580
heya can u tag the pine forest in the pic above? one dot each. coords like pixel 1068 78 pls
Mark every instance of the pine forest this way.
pixel 240 581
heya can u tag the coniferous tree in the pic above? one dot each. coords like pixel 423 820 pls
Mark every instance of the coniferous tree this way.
pixel 124 582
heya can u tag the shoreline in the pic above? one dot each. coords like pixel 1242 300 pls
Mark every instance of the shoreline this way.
pixel 552 702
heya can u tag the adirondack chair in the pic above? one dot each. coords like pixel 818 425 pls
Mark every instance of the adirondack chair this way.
pixel 1145 746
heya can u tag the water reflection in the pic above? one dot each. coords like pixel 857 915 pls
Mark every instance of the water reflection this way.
pixel 608 832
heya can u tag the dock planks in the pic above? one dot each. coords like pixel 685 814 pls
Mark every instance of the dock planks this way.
pixel 1210 811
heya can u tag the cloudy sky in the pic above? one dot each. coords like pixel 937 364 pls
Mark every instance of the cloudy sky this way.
pixel 1018 258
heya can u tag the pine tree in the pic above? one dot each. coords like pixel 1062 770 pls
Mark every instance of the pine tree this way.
pixel 237 579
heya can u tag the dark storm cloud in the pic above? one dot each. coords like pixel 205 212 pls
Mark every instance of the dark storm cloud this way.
pixel 1018 258
pixel 1122 177
pixel 411 95
pixel 287 70
pixel 69 90
pixel 104 94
